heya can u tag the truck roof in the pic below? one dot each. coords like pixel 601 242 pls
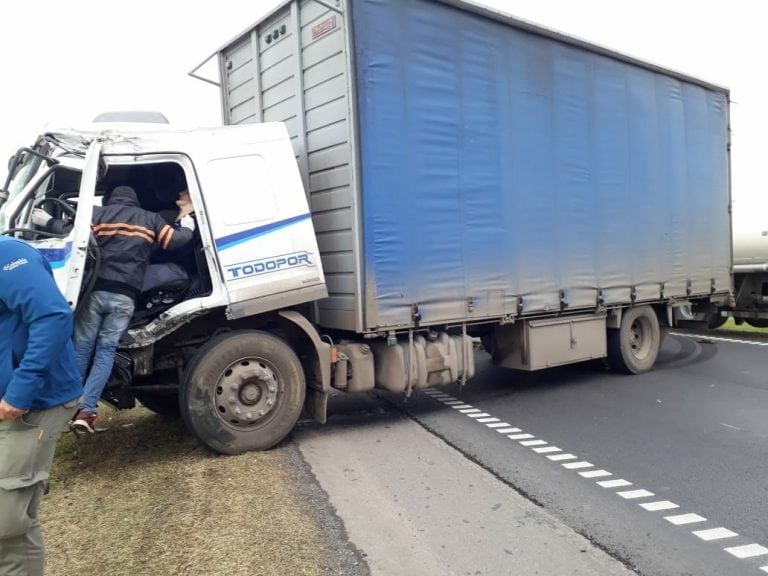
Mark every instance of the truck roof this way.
pixel 519 23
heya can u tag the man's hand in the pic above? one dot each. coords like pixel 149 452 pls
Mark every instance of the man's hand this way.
pixel 8 412
pixel 185 209
pixel 40 217
pixel 187 222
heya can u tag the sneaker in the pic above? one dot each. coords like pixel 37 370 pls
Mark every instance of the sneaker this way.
pixel 84 422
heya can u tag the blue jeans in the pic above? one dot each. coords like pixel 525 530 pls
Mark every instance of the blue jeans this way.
pixel 99 326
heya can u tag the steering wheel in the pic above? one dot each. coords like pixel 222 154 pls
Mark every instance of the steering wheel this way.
pixel 65 207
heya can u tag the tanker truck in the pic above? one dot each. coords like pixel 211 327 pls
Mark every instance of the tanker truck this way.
pixel 750 270
pixel 397 180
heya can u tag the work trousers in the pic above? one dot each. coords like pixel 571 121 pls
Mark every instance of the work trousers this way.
pixel 27 445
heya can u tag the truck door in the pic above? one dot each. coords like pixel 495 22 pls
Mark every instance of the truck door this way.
pixel 73 265
pixel 66 254
pixel 258 218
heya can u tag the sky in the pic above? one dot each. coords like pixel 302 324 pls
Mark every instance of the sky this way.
pixel 65 62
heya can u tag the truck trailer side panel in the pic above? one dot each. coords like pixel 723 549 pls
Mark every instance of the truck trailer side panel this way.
pixel 498 164
pixel 462 165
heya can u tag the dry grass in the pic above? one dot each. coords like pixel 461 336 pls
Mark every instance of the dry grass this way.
pixel 145 498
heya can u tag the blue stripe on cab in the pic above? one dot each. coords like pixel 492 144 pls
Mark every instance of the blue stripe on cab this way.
pixel 234 239
pixel 57 257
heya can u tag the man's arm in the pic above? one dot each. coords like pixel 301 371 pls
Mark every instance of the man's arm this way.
pixel 28 289
pixel 173 237
pixel 42 219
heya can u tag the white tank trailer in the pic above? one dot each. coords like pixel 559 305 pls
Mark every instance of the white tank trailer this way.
pixel 750 269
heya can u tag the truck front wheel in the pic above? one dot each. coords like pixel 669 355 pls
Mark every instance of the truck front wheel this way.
pixel 243 391
pixel 634 346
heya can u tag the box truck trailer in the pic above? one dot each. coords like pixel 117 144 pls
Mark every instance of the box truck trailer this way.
pixel 401 179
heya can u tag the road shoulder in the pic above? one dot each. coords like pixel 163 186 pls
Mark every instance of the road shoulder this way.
pixel 414 505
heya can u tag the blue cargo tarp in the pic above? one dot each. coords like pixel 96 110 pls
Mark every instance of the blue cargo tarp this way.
pixel 504 169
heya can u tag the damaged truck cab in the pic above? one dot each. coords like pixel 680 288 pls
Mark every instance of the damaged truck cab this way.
pixel 254 255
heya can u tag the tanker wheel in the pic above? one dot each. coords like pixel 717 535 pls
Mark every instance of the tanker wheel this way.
pixel 243 391
pixel 634 347
pixel 715 321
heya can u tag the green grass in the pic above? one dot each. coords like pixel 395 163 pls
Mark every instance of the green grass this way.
pixel 731 326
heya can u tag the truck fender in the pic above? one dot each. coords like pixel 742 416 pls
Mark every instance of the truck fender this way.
pixel 317 357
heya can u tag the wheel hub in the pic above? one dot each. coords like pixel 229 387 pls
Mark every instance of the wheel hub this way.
pixel 640 338
pixel 246 392
pixel 250 394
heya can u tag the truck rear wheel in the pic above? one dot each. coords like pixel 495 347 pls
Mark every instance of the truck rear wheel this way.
pixel 634 347
pixel 244 391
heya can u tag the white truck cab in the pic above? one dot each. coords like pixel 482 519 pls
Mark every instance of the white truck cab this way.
pixel 254 253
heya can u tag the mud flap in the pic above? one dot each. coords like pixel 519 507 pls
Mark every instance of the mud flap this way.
pixel 316 404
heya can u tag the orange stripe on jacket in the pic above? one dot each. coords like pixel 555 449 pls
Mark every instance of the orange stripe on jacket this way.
pixel 165 236
pixel 142 235
pixel 114 225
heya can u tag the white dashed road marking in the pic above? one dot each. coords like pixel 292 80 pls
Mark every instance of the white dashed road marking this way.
pixel 661 505
pixel 558 457
pixel 533 442
pixel 681 519
pixel 520 436
pixel 714 533
pixel 748 551
pixel 540 447
pixel 614 483
pixel 547 450
pixel 577 465
pixel 595 474
pixel 632 494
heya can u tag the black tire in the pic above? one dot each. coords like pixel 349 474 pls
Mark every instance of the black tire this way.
pixel 757 322
pixel 634 347
pixel 163 404
pixel 715 321
pixel 243 391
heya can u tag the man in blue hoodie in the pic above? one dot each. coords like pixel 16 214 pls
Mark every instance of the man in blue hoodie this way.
pixel 39 391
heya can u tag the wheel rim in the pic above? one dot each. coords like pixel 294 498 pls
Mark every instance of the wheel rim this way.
pixel 640 338
pixel 247 392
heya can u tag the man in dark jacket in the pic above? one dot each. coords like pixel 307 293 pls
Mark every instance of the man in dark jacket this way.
pixel 39 391
pixel 127 235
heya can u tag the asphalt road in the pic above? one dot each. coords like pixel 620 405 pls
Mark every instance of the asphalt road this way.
pixel 665 471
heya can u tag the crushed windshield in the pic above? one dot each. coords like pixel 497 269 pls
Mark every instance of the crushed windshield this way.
pixel 23 168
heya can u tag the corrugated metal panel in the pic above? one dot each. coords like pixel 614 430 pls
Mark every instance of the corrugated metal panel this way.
pixel 303 81
pixel 501 163
pixel 498 164
pixel 239 83
pixel 329 157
